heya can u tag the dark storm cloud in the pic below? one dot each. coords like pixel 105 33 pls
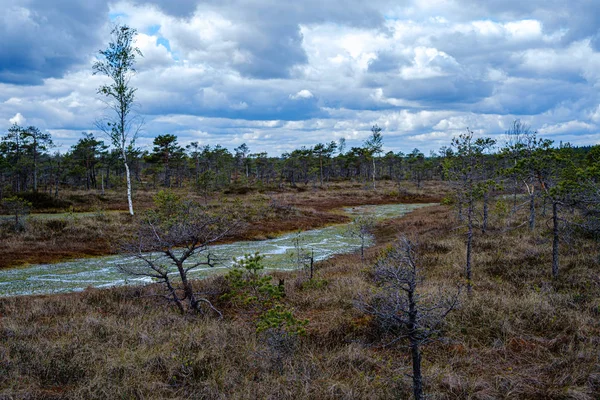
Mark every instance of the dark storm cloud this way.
pixel 42 38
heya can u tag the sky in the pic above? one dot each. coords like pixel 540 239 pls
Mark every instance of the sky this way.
pixel 278 75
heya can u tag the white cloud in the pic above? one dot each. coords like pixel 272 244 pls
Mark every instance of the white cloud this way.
pixel 303 94
pixel 518 30
pixel 18 119
pixel 155 55
pixel 429 63
pixel 595 114
pixel 565 127
pixel 577 59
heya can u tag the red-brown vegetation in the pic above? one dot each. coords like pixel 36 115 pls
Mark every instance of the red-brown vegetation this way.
pixel 520 335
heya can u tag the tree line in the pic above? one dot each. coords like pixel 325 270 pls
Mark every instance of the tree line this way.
pixel 524 162
pixel 28 164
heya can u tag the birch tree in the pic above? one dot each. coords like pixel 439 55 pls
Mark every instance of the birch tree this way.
pixel 117 62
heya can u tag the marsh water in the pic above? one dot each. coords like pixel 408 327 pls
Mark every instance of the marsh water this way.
pixel 280 253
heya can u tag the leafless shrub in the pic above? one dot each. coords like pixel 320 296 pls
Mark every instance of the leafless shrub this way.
pixel 362 228
pixel 276 347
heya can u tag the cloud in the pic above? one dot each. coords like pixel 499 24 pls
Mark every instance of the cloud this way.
pixel 303 94
pixel 42 39
pixel 262 38
pixel 280 75
pixel 18 119
pixel 570 127
pixel 155 54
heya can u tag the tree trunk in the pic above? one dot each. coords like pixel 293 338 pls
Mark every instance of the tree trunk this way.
pixel 93 179
pixel 417 376
pixel 486 200
pixel 173 293
pixel 460 209
pixel 555 241
pixel 312 264
pixel 531 210
pixel 321 169
pixel 57 180
pixel 187 287
pixel 544 206
pixel 362 248
pixel 414 344
pixel 128 175
pixel 167 175
pixel 373 172
pixel 469 245
pixel 515 186
pixel 35 177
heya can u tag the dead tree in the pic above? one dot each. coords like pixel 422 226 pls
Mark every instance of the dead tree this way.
pixel 401 311
pixel 170 245
pixel 362 228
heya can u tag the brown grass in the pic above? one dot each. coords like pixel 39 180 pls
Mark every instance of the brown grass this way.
pixel 521 335
pixel 267 215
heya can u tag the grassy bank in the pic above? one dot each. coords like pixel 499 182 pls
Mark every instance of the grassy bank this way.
pixel 521 335
pixel 71 235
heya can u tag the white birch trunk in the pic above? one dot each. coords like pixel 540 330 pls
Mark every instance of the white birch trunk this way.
pixel 128 188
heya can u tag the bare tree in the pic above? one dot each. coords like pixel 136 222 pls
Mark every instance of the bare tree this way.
pixel 515 143
pixel 117 62
pixel 168 244
pixel 401 310
pixel 362 228
pixel 302 258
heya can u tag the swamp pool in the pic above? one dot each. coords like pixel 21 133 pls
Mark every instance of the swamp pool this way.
pixel 280 253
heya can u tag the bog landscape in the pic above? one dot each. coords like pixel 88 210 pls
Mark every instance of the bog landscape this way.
pixel 336 270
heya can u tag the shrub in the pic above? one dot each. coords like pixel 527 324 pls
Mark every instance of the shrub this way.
pixel 250 287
